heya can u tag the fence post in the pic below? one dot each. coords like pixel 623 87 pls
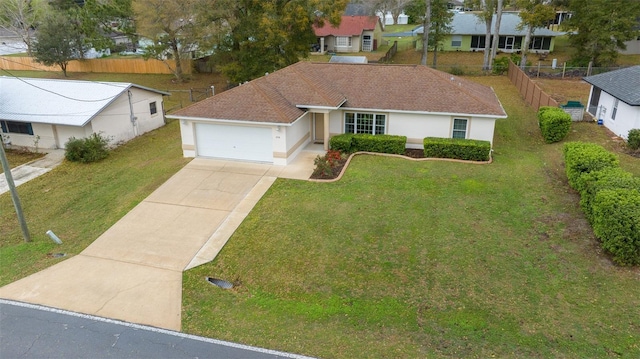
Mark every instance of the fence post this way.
pixel 564 68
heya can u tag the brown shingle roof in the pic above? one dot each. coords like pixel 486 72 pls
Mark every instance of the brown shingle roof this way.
pixel 282 96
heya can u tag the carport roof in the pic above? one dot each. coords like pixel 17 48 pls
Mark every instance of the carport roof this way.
pixel 58 102
pixel 285 95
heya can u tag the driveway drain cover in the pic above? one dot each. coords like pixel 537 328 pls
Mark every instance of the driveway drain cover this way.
pixel 220 283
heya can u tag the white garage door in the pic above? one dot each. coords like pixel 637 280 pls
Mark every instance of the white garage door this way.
pixel 234 142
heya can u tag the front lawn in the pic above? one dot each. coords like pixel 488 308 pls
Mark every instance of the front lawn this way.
pixel 17 157
pixel 405 259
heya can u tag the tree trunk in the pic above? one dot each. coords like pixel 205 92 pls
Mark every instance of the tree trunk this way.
pixel 176 56
pixel 525 47
pixel 487 45
pixel 426 28
pixel 435 56
pixel 496 32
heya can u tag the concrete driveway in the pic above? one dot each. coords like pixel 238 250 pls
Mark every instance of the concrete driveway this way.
pixel 133 271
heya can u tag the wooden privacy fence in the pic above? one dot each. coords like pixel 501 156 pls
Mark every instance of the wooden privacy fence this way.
pixel 127 66
pixel 529 89
pixel 390 53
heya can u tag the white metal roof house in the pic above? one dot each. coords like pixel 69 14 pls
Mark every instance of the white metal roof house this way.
pixel 273 118
pixel 50 111
pixel 615 99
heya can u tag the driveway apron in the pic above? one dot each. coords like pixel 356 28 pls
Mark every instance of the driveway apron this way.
pixel 133 271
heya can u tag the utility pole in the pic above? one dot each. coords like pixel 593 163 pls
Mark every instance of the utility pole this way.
pixel 14 194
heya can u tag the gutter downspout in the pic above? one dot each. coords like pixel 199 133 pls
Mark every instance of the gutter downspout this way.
pixel 131 116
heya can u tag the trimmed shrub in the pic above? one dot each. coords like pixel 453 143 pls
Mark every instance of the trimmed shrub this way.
pixel 554 123
pixel 457 148
pixel 616 222
pixel 91 149
pixel 379 143
pixel 349 142
pixel 500 65
pixel 341 143
pixel 589 184
pixel 633 138
pixel 584 157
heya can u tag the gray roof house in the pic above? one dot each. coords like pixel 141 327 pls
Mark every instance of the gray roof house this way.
pixel 615 99
pixel 468 34
pixel 51 111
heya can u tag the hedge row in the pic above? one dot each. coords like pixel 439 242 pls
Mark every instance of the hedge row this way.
pixel 583 157
pixel 458 148
pixel 349 143
pixel 609 197
pixel 554 123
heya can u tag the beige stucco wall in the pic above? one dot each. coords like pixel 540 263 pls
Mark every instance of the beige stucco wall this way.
pixel 417 126
pixel 188 136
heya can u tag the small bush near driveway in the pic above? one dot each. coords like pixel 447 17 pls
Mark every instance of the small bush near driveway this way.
pixel 91 149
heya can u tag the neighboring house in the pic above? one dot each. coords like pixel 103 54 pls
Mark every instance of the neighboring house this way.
pixel 354 34
pixel 49 112
pixel 271 119
pixel 468 34
pixel 615 99
pixel 387 19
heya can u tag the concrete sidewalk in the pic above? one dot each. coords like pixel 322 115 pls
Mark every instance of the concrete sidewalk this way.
pixel 133 271
pixel 33 169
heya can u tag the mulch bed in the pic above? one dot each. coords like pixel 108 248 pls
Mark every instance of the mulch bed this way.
pixel 337 168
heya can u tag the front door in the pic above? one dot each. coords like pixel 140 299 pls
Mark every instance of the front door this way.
pixel 318 128
pixel 367 43
pixel 509 43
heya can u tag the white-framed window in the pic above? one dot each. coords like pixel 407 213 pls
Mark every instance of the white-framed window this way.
pixel 615 109
pixel 459 128
pixel 372 123
pixel 456 40
pixel 343 41
pixel 153 109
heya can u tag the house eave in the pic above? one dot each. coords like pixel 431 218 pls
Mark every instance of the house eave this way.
pixel 462 114
pixel 237 122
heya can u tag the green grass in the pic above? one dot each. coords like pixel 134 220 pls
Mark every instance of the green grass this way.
pixel 406 259
pixel 17 157
pixel 78 202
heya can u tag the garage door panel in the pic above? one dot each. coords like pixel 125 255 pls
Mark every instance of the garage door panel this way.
pixel 234 142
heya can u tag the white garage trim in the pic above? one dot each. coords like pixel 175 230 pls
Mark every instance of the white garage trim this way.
pixel 248 143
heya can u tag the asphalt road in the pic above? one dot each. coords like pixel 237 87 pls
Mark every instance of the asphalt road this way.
pixel 31 331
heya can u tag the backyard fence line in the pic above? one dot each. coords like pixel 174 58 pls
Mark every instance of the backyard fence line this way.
pixel 529 90
pixel 390 53
pixel 562 71
pixel 130 66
